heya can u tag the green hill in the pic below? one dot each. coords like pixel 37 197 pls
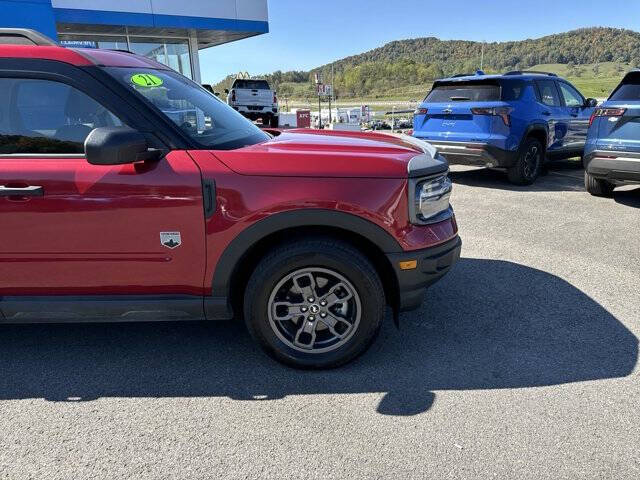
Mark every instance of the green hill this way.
pixel 594 58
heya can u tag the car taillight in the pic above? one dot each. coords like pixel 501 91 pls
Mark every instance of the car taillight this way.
pixel 233 95
pixel 420 111
pixel 503 112
pixel 606 112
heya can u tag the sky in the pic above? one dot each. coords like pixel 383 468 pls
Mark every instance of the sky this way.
pixel 305 34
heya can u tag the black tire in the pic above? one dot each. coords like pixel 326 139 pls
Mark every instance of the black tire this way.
pixel 266 120
pixel 324 254
pixel 597 186
pixel 274 121
pixel 529 163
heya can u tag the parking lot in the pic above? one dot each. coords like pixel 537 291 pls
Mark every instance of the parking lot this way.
pixel 522 364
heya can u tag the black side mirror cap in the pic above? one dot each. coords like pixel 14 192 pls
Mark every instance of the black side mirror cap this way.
pixel 226 90
pixel 118 146
pixel 591 102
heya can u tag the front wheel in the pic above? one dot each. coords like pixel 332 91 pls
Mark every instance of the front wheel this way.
pixel 314 303
pixel 597 186
pixel 529 163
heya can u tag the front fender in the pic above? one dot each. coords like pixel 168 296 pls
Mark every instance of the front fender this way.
pixel 218 306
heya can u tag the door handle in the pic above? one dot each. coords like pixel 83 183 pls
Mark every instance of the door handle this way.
pixel 30 191
pixel 574 115
pixel 546 113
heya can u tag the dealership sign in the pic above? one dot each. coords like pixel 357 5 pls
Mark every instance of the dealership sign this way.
pixel 325 90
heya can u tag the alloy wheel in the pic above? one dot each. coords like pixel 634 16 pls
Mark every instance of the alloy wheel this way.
pixel 314 310
pixel 531 161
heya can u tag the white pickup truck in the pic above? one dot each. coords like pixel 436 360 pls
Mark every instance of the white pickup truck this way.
pixel 255 100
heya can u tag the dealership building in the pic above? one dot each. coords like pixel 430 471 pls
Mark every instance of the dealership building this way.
pixel 169 31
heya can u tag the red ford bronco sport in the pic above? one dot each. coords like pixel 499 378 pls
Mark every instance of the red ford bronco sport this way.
pixel 129 193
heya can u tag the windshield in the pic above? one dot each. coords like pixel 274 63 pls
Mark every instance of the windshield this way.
pixel 202 116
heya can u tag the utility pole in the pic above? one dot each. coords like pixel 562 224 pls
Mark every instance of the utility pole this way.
pixel 482 57
pixel 318 85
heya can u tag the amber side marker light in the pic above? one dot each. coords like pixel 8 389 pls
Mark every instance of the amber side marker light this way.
pixel 408 265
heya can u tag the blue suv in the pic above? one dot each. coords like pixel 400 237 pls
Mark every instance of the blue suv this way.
pixel 516 121
pixel 612 153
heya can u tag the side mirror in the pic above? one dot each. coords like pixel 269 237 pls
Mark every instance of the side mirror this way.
pixel 117 146
pixel 226 90
pixel 591 102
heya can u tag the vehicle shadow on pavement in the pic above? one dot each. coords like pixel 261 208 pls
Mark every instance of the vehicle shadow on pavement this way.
pixel 630 198
pixel 488 325
pixel 561 176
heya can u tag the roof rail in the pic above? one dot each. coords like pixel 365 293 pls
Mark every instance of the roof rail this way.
pixel 533 72
pixel 458 75
pixel 24 36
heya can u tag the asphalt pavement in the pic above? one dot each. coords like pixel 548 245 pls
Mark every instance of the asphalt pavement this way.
pixel 523 363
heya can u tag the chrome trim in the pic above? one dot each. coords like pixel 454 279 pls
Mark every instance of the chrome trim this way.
pixel 423 145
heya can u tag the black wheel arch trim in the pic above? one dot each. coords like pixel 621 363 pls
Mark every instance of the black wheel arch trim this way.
pixel 278 222
pixel 536 127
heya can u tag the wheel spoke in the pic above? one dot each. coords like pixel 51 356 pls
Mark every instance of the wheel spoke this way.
pixel 309 331
pixel 293 310
pixel 331 321
pixel 332 298
pixel 308 291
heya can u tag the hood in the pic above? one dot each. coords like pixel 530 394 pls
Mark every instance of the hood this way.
pixel 322 153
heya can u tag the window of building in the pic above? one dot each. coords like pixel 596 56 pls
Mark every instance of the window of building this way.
pixel 174 53
pixel 108 42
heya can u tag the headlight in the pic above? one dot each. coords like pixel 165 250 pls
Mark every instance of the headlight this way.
pixel 430 200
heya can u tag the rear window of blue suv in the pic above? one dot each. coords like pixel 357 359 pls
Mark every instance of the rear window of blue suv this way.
pixel 475 91
pixel 627 92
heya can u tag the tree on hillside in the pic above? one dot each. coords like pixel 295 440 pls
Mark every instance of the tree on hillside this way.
pixel 419 61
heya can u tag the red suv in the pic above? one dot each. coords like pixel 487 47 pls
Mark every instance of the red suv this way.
pixel 130 193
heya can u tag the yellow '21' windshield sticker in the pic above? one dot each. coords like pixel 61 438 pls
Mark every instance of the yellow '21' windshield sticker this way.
pixel 146 80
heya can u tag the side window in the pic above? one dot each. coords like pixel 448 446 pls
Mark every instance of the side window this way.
pixel 43 116
pixel 571 96
pixel 548 93
pixel 512 91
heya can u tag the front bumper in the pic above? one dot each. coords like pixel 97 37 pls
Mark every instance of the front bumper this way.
pixel 474 153
pixel 616 167
pixel 432 264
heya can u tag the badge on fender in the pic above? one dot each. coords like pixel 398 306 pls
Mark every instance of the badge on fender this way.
pixel 170 239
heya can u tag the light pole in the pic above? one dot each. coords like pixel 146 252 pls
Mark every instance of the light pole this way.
pixel 318 85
